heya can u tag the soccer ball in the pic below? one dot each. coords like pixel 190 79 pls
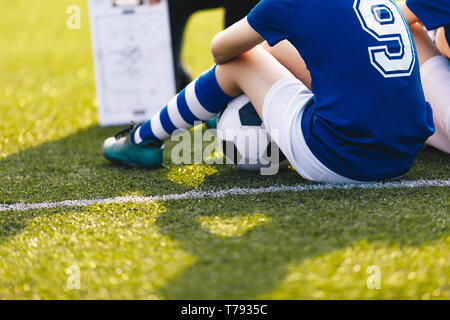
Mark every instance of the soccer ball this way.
pixel 243 139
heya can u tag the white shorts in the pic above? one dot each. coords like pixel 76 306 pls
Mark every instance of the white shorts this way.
pixel 435 74
pixel 282 114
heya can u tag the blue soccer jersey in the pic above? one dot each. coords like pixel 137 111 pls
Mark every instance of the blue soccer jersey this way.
pixel 432 13
pixel 369 119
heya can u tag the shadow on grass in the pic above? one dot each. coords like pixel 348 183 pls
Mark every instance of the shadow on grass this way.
pixel 301 226
pixel 292 228
pixel 73 168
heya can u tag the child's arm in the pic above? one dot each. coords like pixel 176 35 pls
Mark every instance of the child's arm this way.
pixel 410 17
pixel 234 41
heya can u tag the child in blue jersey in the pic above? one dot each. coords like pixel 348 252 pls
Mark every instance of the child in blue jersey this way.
pixel 434 61
pixel 358 115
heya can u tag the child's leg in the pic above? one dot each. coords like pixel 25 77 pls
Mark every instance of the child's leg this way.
pixel 280 99
pixel 435 74
pixel 201 100
pixel 253 72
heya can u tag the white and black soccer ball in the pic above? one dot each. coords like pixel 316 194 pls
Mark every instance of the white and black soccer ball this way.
pixel 243 139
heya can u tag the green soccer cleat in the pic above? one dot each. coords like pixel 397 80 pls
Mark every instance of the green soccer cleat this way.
pixel 122 150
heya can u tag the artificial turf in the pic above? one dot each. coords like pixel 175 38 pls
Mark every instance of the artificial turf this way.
pixel 309 244
pixel 293 245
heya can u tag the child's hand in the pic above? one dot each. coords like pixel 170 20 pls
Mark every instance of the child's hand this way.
pixel 152 2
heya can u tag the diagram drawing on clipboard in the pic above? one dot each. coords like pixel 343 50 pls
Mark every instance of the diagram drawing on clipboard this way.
pixel 132 58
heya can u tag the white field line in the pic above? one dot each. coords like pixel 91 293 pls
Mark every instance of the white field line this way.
pixel 223 193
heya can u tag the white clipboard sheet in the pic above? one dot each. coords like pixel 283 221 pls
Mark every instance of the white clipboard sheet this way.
pixel 134 71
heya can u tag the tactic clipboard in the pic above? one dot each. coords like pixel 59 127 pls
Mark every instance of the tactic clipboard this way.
pixel 132 51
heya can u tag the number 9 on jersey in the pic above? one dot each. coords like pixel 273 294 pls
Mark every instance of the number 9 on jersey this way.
pixel 382 19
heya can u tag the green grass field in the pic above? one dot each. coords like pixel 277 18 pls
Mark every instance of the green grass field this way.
pixel 291 245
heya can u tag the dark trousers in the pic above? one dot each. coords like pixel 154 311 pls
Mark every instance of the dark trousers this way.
pixel 181 10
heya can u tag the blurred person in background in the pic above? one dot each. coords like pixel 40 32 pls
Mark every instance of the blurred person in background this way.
pixel 181 10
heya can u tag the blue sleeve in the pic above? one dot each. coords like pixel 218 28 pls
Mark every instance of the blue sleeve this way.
pixel 273 20
pixel 432 13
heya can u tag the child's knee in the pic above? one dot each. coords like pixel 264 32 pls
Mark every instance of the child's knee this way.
pixel 226 77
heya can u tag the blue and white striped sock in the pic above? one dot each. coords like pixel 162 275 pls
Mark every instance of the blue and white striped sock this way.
pixel 201 100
